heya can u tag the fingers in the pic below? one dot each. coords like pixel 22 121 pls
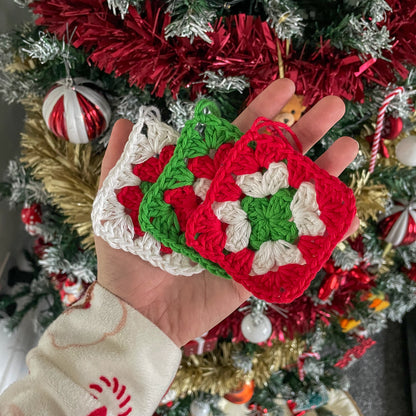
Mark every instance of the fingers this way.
pixel 118 139
pixel 313 125
pixel 353 227
pixel 338 156
pixel 267 104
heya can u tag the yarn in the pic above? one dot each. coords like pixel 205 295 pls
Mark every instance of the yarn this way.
pixel 203 146
pixel 116 208
pixel 271 217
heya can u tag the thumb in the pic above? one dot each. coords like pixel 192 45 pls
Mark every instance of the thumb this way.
pixel 118 139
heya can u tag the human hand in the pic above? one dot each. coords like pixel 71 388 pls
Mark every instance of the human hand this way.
pixel 186 307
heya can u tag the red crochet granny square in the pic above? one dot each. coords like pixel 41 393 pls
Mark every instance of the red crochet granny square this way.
pixel 271 217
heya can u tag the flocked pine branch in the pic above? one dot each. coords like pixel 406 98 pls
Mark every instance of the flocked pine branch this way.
pixel 284 17
pixel 216 81
pixel 180 112
pixel 122 6
pixel 360 34
pixel 45 48
pixel 190 18
pixel 376 9
pixel 22 188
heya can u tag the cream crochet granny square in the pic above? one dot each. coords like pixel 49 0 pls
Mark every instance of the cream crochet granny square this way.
pixel 115 209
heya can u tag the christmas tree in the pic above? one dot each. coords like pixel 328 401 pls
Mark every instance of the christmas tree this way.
pixel 118 56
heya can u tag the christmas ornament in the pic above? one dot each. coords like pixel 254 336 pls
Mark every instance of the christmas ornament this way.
pixel 115 209
pixel 393 126
pixel 379 126
pixel 31 217
pixel 292 110
pixel 70 288
pixel 399 228
pixel 378 301
pixel 336 277
pixel 167 206
pixel 348 324
pixel 256 327
pixel 406 151
pixel 200 408
pixel 241 395
pixel 271 217
pixel 76 111
pixel 200 345
pixel 391 130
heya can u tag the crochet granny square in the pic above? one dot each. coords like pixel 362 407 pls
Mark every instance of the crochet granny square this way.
pixel 204 143
pixel 116 208
pixel 271 217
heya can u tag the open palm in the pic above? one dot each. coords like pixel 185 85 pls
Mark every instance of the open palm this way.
pixel 186 307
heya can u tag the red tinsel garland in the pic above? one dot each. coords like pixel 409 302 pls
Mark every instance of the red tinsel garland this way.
pixel 241 45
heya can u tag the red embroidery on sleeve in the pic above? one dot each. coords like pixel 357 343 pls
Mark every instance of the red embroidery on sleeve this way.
pixel 117 391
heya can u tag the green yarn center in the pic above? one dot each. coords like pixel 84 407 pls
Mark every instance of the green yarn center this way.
pixel 270 218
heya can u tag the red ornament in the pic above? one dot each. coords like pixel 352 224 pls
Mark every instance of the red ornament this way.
pixel 200 345
pixel 241 395
pixel 392 128
pixel 75 111
pixel 337 277
pixel 31 217
pixel 399 228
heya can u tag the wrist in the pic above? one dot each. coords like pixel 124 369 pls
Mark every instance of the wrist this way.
pixel 150 309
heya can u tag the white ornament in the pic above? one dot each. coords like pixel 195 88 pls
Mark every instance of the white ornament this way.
pixel 200 408
pixel 76 112
pixel 406 151
pixel 256 327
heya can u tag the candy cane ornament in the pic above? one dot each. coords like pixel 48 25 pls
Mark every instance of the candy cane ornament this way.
pixel 379 126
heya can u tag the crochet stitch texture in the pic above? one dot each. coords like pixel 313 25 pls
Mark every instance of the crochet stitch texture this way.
pixel 201 149
pixel 115 209
pixel 271 217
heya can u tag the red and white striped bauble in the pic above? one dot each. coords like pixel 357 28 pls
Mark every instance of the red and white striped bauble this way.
pixel 75 111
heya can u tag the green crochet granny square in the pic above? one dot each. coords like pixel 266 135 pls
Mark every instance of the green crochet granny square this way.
pixel 181 188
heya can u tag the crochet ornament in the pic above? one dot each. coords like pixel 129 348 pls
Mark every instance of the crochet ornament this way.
pixel 201 149
pixel 399 228
pixel 75 111
pixel 271 217
pixel 115 209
